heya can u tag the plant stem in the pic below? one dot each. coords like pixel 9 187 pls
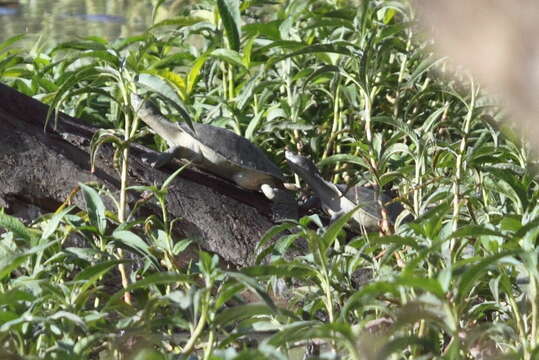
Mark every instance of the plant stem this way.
pixel 460 161
pixel 520 326
pixel 123 199
pixel 533 301
pixel 190 346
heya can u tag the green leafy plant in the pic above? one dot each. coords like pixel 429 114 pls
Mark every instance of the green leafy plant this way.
pixel 355 87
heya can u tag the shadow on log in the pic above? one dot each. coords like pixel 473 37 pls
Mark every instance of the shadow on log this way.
pixel 39 169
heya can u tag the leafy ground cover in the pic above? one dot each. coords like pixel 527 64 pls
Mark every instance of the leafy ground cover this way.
pixel 358 89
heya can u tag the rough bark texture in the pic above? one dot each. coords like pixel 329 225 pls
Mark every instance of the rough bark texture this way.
pixel 39 170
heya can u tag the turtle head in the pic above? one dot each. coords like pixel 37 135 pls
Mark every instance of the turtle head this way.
pixel 301 165
pixel 328 193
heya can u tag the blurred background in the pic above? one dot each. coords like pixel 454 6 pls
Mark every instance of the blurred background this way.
pixel 496 41
pixel 54 21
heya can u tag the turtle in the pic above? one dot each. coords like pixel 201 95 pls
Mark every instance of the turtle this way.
pixel 338 199
pixel 220 152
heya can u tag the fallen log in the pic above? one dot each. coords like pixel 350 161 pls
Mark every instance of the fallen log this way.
pixel 39 169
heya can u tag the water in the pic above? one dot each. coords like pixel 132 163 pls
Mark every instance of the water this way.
pixel 53 21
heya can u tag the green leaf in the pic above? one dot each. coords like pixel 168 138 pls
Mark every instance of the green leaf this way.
pixel 54 221
pixel 124 42
pixel 424 66
pixel 326 71
pixel 430 285
pixel 108 56
pixel 352 159
pixel 153 279
pixel 388 15
pixel 173 79
pixel 521 231
pixel 229 10
pixel 172 176
pixel 148 354
pixel 133 241
pixel 14 225
pixel 178 22
pixel 227 292
pixel 269 30
pixel 241 312
pixel 84 44
pixel 13 296
pixel 171 61
pixel 95 207
pixel 181 245
pixel 10 262
pixel 194 73
pixel 103 136
pixel 269 236
pixel 400 344
pixel 93 273
pixel 292 270
pixel 337 48
pixel 510 185
pixel 230 56
pixel 367 292
pixel 246 94
pixel 74 318
pixel 252 284
pixel 71 81
pixel 432 120
pixel 331 23
pixel 400 241
pixel 471 274
pixel 297 330
pixel 474 231
pixel 159 85
pixel 12 40
pixel 335 228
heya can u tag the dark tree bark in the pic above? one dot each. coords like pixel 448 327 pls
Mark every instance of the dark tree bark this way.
pixel 39 169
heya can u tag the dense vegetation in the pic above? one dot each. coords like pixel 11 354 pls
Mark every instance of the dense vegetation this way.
pixel 357 89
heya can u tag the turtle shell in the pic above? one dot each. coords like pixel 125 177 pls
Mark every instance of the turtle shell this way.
pixel 368 199
pixel 236 150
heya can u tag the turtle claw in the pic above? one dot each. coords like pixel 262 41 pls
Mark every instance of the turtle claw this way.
pixel 268 191
pixel 156 160
pixel 149 159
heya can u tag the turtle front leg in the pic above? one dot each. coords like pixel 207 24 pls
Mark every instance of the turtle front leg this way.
pixel 178 152
pixel 163 158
